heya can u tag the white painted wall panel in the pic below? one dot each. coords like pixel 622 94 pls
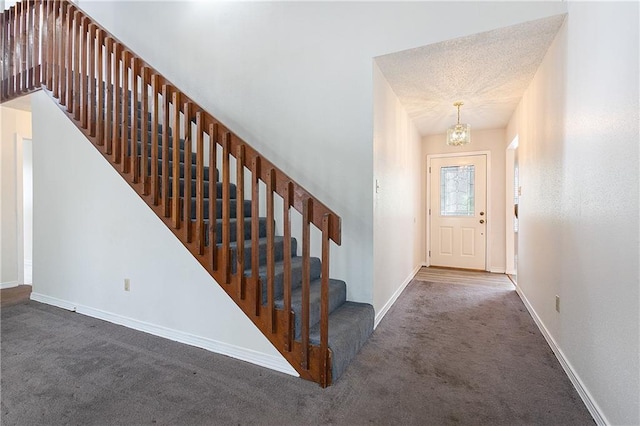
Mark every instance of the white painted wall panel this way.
pixel 579 227
pixel 398 243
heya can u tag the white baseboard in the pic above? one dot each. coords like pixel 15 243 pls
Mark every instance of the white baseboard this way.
pixel 584 393
pixel 394 297
pixel 495 270
pixel 9 284
pixel 248 355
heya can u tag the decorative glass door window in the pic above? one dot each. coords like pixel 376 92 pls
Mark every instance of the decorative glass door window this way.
pixel 457 194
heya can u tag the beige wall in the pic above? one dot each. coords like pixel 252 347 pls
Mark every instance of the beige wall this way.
pixel 14 125
pixel 481 140
pixel 398 243
pixel 577 126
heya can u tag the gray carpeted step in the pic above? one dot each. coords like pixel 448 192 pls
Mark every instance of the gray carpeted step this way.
pixel 180 153
pixel 233 233
pixel 349 328
pixel 193 170
pixel 278 253
pixel 337 296
pixel 233 208
pixel 219 186
pixel 296 275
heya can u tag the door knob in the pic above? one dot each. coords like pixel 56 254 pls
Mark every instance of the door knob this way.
pixel 481 220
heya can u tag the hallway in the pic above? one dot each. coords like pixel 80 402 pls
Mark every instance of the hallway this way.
pixel 456 348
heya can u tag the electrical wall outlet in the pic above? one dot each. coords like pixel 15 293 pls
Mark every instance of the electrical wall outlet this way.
pixel 127 284
pixel 557 303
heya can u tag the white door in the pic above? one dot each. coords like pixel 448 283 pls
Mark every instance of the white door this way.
pixel 458 211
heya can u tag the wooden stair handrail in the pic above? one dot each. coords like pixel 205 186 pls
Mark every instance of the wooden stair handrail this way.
pixel 54 44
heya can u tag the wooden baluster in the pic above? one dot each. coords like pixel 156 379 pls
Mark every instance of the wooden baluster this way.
pixel 91 87
pixel 307 217
pixel 135 119
pixel 24 53
pixel 144 129
pixel 271 187
pixel 37 78
pixel 18 48
pixel 186 204
pixel 255 231
pixel 15 47
pixel 68 37
pixel 84 82
pixel 63 51
pixel 100 116
pixel 213 192
pixel 4 52
pixel 109 112
pixel 75 103
pixel 27 55
pixel 175 196
pixel 226 210
pixel 200 182
pixel 125 116
pixel 10 51
pixel 117 103
pixel 28 45
pixel 155 90
pixel 240 221
pixel 15 83
pixel 47 42
pixel 324 303
pixel 286 221
pixel 56 72
pixel 165 151
pixel 15 51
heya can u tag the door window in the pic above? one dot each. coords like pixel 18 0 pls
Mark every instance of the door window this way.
pixel 457 194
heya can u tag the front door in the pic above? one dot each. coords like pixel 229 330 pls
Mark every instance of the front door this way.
pixel 458 211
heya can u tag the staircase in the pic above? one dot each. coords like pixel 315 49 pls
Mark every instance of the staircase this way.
pixel 229 206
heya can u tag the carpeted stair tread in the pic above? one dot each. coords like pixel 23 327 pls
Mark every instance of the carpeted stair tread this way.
pixel 278 252
pixel 233 208
pixel 350 326
pixel 296 275
pixel 180 153
pixel 181 169
pixel 219 187
pixel 337 296
pixel 262 229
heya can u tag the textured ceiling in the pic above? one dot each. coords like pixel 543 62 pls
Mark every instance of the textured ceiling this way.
pixel 488 71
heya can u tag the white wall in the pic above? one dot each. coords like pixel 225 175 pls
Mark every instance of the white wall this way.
pixel 91 231
pixel 14 126
pixel 294 79
pixel 398 247
pixel 492 140
pixel 579 227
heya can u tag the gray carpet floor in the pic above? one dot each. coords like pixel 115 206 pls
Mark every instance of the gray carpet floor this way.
pixel 445 354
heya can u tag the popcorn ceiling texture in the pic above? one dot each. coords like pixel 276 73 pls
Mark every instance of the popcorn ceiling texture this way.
pixel 488 71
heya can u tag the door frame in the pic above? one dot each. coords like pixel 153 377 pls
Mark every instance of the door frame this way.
pixel 511 267
pixel 487 154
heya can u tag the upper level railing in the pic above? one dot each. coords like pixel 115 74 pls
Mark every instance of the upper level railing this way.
pixel 132 113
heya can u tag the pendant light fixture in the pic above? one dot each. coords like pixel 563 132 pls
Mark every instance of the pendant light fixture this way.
pixel 458 134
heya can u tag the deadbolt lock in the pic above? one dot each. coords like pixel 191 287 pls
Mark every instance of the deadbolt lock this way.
pixel 481 213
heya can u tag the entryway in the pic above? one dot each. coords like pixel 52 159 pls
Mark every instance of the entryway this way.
pixel 458 217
